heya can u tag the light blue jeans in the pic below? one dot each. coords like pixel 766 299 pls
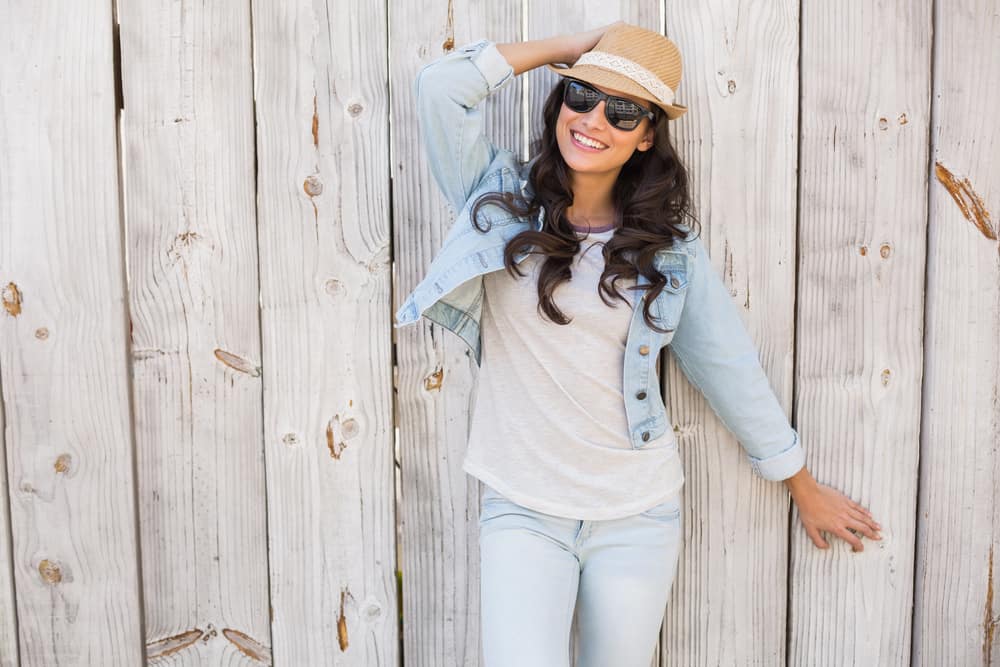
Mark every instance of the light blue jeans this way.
pixel 537 569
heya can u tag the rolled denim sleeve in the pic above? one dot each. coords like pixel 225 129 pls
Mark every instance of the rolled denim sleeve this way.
pixel 717 354
pixel 448 91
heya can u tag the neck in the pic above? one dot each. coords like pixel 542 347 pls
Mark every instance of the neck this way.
pixel 592 204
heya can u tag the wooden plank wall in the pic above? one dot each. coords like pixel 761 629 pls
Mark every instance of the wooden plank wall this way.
pixel 323 224
pixel 206 225
pixel 739 143
pixel 865 107
pixel 64 343
pixel 188 152
pixel 8 608
pixel 956 602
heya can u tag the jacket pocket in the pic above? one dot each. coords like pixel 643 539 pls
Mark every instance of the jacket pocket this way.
pixel 670 302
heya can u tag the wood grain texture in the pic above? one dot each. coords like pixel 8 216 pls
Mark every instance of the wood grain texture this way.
pixel 323 191
pixel 956 604
pixel 436 372
pixel 738 141
pixel 188 141
pixel 8 609
pixel 863 211
pixel 63 343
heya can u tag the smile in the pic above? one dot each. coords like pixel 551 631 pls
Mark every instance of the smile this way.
pixel 586 141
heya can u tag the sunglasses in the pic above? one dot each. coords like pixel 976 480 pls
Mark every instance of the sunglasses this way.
pixel 622 113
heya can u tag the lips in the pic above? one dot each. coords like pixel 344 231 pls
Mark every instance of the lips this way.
pixel 583 146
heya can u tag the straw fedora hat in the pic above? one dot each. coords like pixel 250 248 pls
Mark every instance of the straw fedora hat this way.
pixel 633 60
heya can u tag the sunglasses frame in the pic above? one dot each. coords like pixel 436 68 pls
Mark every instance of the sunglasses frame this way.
pixel 606 98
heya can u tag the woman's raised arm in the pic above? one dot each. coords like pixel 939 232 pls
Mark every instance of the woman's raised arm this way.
pixel 448 91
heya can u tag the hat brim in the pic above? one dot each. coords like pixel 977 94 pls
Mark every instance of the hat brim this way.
pixel 608 79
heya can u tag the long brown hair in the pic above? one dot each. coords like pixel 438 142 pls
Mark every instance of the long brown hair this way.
pixel 651 200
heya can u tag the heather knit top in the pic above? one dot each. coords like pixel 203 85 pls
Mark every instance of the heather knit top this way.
pixel 548 426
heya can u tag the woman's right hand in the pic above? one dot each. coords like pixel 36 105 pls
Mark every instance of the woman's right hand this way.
pixel 581 42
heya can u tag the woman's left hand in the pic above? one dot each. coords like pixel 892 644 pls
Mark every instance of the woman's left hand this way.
pixel 824 508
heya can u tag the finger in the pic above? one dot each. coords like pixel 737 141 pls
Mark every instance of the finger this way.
pixel 869 528
pixel 864 528
pixel 850 538
pixel 861 508
pixel 816 538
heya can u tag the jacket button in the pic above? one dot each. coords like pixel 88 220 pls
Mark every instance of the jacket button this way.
pixel 674 282
pixel 644 350
pixel 645 435
pixel 641 395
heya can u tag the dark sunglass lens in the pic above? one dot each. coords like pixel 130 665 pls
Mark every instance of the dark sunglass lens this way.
pixel 624 114
pixel 579 97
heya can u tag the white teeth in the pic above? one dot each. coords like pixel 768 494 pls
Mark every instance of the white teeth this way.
pixel 587 142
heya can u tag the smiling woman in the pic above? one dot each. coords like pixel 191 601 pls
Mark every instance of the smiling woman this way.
pixel 604 161
pixel 569 433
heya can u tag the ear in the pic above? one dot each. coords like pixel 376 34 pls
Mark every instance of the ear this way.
pixel 647 140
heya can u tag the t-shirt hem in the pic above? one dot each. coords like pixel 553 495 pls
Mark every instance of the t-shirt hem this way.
pixel 554 509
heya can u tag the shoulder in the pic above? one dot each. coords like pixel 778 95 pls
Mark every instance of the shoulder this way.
pixel 678 260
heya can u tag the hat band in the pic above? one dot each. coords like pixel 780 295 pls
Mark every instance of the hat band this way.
pixel 631 69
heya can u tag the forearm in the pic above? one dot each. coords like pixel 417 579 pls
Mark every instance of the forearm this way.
pixel 525 56
pixel 717 354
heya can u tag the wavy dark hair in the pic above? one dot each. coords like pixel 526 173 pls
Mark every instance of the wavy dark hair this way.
pixel 651 200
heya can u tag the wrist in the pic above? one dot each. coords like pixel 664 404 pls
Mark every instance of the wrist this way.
pixel 800 481
pixel 526 56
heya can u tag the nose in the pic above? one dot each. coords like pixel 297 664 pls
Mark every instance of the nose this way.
pixel 595 117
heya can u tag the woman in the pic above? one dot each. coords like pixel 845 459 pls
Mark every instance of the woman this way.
pixel 582 477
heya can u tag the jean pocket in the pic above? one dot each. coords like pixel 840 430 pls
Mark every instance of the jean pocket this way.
pixel 667 510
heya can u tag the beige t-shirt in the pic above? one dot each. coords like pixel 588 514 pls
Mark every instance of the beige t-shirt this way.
pixel 548 428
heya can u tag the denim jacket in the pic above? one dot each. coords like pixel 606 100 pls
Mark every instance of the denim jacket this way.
pixel 706 333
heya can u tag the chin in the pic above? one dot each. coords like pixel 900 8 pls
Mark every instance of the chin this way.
pixel 584 165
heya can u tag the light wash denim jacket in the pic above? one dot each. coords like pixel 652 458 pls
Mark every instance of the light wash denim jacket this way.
pixel 707 336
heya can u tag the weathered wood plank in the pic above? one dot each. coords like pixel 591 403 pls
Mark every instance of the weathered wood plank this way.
pixel 739 143
pixel 957 597
pixel 189 182
pixel 436 374
pixel 323 193
pixel 63 342
pixel 863 211
pixel 8 610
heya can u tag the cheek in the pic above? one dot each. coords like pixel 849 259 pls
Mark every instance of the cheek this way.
pixel 563 120
pixel 562 128
pixel 628 142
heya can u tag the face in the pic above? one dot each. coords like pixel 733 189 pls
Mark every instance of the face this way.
pixel 617 145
